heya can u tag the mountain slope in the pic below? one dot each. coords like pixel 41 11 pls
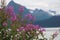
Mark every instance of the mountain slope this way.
pixel 38 14
pixel 16 7
pixel 41 14
pixel 52 22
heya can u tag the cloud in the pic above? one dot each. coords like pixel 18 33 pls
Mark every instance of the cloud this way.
pixel 40 4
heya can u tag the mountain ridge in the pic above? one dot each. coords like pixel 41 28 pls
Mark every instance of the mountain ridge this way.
pixel 16 7
pixel 52 22
pixel 41 14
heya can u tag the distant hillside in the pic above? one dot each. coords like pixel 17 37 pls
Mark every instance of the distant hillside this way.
pixel 41 14
pixel 16 7
pixel 52 22
pixel 38 14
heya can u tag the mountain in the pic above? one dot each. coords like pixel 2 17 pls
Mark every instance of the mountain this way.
pixel 16 7
pixel 52 22
pixel 52 11
pixel 40 14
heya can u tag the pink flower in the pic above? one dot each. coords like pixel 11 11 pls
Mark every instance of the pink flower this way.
pixel 13 18
pixel 5 24
pixel 43 30
pixel 32 27
pixel 37 27
pixel 21 9
pixel 26 29
pixel 29 16
pixel 10 9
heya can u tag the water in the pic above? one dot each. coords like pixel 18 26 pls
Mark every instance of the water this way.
pixel 50 31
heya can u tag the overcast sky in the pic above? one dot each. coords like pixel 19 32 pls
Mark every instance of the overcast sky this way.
pixel 40 4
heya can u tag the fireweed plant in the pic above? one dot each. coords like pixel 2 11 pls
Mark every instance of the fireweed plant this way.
pixel 16 27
